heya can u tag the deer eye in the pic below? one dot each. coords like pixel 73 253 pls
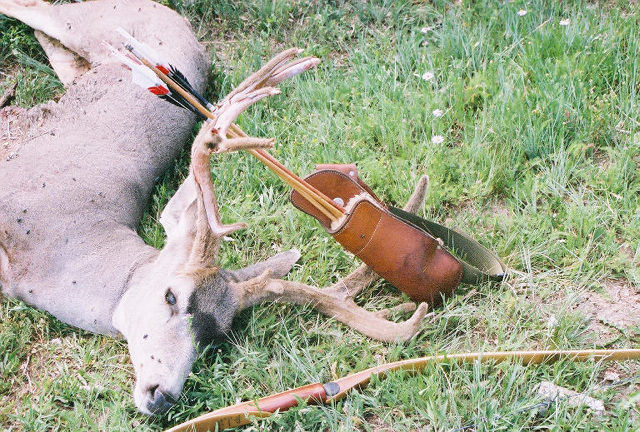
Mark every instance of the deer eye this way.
pixel 170 298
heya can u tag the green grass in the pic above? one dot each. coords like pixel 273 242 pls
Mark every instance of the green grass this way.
pixel 540 161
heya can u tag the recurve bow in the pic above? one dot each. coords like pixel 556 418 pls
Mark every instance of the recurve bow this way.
pixel 241 414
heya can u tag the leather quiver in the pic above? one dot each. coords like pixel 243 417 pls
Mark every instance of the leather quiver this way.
pixel 404 255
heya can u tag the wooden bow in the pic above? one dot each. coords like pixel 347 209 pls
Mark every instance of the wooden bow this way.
pixel 241 414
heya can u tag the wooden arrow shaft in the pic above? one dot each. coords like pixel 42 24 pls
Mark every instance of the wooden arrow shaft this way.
pixel 319 200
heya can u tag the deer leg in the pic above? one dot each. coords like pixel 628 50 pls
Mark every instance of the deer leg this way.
pixel 67 65
pixel 42 17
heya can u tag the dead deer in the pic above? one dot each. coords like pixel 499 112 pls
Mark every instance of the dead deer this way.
pixel 77 182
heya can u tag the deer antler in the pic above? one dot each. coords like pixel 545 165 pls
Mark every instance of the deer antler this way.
pixel 215 137
pixel 337 300
pixel 219 136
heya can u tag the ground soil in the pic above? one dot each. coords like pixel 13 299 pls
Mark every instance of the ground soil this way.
pixel 612 312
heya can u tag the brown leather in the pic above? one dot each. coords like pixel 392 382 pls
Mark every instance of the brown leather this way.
pixel 348 169
pixel 283 401
pixel 351 171
pixel 334 184
pixel 407 257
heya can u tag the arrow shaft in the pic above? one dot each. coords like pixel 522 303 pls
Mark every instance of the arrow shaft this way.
pixel 326 205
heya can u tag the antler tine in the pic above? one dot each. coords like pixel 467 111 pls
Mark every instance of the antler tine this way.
pixel 212 137
pixel 200 151
pixel 238 104
pixel 334 303
pixel 416 201
pixel 291 69
pixel 256 87
pixel 257 78
pixel 356 281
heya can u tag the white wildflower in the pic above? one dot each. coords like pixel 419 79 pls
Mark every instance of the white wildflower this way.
pixel 522 12
pixel 424 30
pixel 565 22
pixel 437 113
pixel 427 76
pixel 437 139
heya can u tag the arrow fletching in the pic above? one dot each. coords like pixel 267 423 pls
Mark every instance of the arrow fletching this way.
pixel 139 49
pixel 182 81
pixel 144 77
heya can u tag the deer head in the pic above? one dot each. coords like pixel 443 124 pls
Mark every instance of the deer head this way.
pixel 180 299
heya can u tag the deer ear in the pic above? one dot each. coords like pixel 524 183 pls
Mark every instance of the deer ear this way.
pixel 180 207
pixel 179 220
pixel 279 265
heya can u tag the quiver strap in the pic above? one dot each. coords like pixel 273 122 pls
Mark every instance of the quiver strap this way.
pixel 406 250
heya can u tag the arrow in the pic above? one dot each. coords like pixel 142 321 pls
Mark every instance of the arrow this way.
pixel 143 77
pixel 183 93
pixel 143 51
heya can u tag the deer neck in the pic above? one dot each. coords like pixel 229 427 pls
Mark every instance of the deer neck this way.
pixel 80 285
pixel 71 200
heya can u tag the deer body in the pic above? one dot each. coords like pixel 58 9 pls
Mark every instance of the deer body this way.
pixel 76 176
pixel 72 198
pixel 74 188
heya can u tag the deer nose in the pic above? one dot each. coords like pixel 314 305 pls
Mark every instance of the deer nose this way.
pixel 159 401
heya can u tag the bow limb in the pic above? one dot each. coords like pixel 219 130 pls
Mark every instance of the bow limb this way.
pixel 362 378
pixel 209 422
pixel 239 415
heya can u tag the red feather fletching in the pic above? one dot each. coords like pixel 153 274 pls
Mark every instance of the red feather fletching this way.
pixel 158 90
